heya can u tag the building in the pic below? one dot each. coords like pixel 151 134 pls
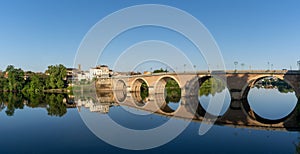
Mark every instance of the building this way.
pixel 71 74
pixel 99 71
pixel 83 75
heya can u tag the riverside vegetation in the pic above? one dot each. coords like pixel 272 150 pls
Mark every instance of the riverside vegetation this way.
pixel 16 80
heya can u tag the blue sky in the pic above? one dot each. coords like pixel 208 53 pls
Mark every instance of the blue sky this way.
pixel 35 34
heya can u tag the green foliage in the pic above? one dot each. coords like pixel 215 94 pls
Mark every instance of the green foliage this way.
pixel 56 78
pixel 173 91
pixel 56 106
pixel 211 87
pixel 281 85
pixel 3 83
pixel 36 84
pixel 15 78
pixel 144 90
pixel 160 71
pixel 52 102
pixel 13 101
pixel 35 99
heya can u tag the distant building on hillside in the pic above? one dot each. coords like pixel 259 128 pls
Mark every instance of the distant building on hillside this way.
pixel 83 75
pixel 99 71
pixel 71 74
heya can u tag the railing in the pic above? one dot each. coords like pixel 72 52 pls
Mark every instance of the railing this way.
pixel 293 72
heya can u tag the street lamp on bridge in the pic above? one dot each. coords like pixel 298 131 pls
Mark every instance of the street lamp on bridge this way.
pixel 235 64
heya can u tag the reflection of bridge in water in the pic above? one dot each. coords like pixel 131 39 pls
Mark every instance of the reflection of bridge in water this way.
pixel 126 91
pixel 190 108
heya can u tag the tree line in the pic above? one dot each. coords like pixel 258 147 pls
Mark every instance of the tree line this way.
pixel 16 80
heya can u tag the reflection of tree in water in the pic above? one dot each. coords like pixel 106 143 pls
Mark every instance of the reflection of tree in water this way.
pixel 211 86
pixel 274 83
pixel 12 101
pixel 34 99
pixel 56 107
pixel 52 102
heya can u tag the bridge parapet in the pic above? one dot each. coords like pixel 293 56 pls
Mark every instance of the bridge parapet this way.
pixel 238 82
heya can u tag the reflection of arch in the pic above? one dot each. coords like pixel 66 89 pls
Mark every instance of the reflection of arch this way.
pixel 162 105
pixel 137 98
pixel 120 90
pixel 136 91
pixel 161 83
pixel 120 85
pixel 137 83
pixel 254 116
pixel 120 95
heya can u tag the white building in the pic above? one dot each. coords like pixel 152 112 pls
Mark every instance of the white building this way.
pixel 83 76
pixel 99 71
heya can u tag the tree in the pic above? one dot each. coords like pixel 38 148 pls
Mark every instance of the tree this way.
pixel 15 78
pixel 36 84
pixel 144 90
pixel 3 84
pixel 211 87
pixel 160 71
pixel 173 91
pixel 57 76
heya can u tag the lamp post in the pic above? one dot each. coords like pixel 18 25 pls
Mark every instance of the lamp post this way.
pixel 235 64
pixel 272 67
pixel 242 64
pixel 298 62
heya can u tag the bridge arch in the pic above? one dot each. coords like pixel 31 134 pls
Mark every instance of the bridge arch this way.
pixel 160 84
pixel 136 91
pixel 215 97
pixel 250 83
pixel 252 114
pixel 202 79
pixel 137 83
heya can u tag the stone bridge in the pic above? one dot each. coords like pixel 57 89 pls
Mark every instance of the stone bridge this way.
pixel 237 82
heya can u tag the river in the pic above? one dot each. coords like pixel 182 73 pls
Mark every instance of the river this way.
pixel 50 123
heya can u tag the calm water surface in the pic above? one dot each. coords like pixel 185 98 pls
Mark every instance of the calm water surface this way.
pixel 30 126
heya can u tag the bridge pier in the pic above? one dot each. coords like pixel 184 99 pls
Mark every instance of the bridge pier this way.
pixel 151 90
pixel 235 104
pixel 236 94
